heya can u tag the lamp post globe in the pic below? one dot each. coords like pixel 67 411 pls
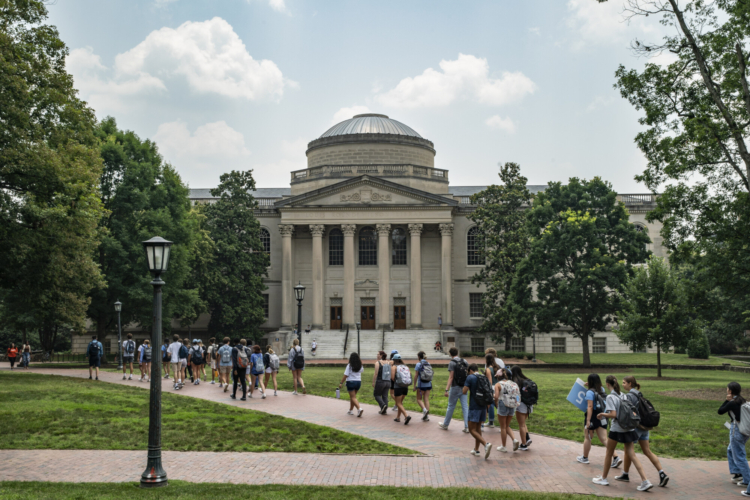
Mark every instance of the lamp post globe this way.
pixel 299 294
pixel 157 257
pixel 118 308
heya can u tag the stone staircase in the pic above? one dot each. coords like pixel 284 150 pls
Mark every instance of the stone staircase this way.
pixel 409 342
pixel 330 343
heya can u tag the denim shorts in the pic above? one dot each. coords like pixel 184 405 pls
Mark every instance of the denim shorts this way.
pixel 642 434
pixel 478 415
pixel 353 385
pixel 504 411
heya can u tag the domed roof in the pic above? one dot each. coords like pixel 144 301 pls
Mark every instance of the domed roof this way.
pixel 370 123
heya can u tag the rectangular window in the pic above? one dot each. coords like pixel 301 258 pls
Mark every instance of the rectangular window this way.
pixel 518 345
pixel 398 241
pixel 336 248
pixel 476 308
pixel 477 344
pixel 558 344
pixel 265 305
pixel 599 345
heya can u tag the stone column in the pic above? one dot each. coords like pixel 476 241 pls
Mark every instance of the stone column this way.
pixel 348 302
pixel 384 267
pixel 416 275
pixel 446 230
pixel 317 275
pixel 287 293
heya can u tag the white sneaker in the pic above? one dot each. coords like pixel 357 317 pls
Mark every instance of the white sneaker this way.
pixel 487 450
pixel 262 395
pixel 198 382
pixel 350 412
pixel 250 395
pixel 394 408
pixel 503 449
pixel 130 377
pixel 601 481
pixel 475 453
pixel 645 486
pixel 582 459
pixel 516 444
pixel 212 383
pixel 274 393
pixel 166 376
pixel 294 393
pixel 466 430
pixel 444 427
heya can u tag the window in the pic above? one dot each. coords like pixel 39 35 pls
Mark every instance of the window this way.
pixel 336 248
pixel 265 239
pixel 599 345
pixel 640 228
pixel 558 344
pixel 477 344
pixel 518 345
pixel 368 247
pixel 265 305
pixel 476 309
pixel 473 256
pixel 398 236
pixel 263 343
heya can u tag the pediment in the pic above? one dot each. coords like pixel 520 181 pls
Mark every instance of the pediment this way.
pixel 366 191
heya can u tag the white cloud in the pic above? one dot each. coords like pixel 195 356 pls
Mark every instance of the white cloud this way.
pixel 163 3
pixel 598 103
pixel 290 156
pixel 665 58
pixel 535 31
pixel 467 77
pixel 346 113
pixel 498 123
pixel 278 6
pixel 595 23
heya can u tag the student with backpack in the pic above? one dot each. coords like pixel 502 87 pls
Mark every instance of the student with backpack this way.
pixel 736 455
pixel 507 399
pixel 257 367
pixel 240 363
pixel 184 366
pixel 353 379
pixel 271 362
pixel 128 353
pixel 649 417
pixel 491 368
pixel 401 376
pixel 381 381
pixel 195 360
pixel 595 404
pixel 622 430
pixel 95 353
pixel 393 397
pixel 166 358
pixel 174 360
pixel 481 395
pixel 458 370
pixel 224 354
pixel 146 359
pixel 140 361
pixel 529 397
pixel 423 374
pixel 296 364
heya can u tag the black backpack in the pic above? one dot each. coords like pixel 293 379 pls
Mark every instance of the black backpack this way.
pixel 484 395
pixel 197 357
pixel 93 349
pixel 529 393
pixel 649 416
pixel 460 372
pixel 299 359
pixel 147 354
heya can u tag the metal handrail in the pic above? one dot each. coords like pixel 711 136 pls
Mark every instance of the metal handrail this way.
pixel 382 344
pixel 346 340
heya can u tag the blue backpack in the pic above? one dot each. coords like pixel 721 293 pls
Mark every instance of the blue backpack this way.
pixel 183 352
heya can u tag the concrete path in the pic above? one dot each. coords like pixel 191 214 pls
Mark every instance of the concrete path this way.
pixel 549 465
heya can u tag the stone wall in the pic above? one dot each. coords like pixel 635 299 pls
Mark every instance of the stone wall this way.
pixel 372 153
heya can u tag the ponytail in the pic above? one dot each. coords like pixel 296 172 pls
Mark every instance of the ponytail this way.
pixel 612 380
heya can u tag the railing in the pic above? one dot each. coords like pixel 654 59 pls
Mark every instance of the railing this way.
pixel 267 202
pixel 464 200
pixel 382 343
pixel 637 198
pixel 346 340
pixel 355 170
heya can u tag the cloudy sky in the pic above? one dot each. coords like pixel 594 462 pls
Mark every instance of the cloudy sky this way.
pixel 246 84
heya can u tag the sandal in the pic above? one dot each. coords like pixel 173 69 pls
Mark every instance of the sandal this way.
pixel 397 420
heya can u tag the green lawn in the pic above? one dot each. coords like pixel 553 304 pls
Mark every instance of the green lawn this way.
pixel 51 412
pixel 187 491
pixel 690 428
pixel 632 359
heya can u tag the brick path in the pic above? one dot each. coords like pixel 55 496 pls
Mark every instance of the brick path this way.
pixel 549 466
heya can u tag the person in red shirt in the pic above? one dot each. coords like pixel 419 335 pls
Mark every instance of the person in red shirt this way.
pixel 12 354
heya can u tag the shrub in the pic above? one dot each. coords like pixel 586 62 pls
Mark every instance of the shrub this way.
pixel 698 347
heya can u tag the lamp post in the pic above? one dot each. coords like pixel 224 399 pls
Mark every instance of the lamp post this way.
pixel 299 294
pixel 359 325
pixel 157 254
pixel 118 308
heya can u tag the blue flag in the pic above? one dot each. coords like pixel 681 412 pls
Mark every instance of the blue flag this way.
pixel 577 395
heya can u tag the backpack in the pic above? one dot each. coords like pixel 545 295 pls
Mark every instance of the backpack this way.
pixel 510 395
pixel 129 347
pixel 197 357
pixel 460 372
pixel 529 393
pixel 274 361
pixel 483 395
pixel 147 354
pixel 299 359
pixel 242 360
pixel 165 356
pixel 93 349
pixel 385 372
pixel 426 373
pixel 258 366
pixel 627 416
pixel 226 355
pixel 183 352
pixel 744 425
pixel 403 376
pixel 649 416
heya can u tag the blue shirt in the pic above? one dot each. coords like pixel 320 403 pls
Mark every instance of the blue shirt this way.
pixel 471 383
pixel 420 383
pixel 591 396
pixel 224 348
pixel 256 359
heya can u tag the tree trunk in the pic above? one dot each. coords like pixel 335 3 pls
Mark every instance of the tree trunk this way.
pixel 658 359
pixel 585 346
pixel 508 336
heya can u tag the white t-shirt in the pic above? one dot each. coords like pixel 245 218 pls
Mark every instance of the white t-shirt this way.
pixel 352 376
pixel 174 351
pixel 314 345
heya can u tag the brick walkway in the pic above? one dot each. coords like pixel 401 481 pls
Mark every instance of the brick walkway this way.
pixel 549 466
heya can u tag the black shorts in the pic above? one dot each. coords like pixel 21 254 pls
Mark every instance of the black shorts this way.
pixel 623 437
pixel 595 422
pixel 95 361
pixel 400 391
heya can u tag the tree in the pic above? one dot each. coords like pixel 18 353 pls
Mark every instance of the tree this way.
pixel 49 170
pixel 502 242
pixel 655 310
pixel 144 197
pixel 234 278
pixel 582 251
pixel 697 136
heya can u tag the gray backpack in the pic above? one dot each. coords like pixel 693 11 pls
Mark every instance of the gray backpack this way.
pixel 627 415
pixel 386 372
pixel 744 425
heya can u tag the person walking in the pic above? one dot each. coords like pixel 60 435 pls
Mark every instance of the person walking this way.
pixel 166 358
pixel 95 352
pixel 146 353
pixel 257 367
pixel 12 353
pixel 140 360
pixel 381 381
pixel 457 373
pixel 528 399
pixel 595 404
pixel 272 363
pixel 195 359
pixel 353 378
pixel 393 382
pixel 313 347
pixel 423 374
pixel 632 390
pixel 240 362
pixel 26 355
pixel 619 434
pixel 184 366
pixel 477 409
pixel 211 358
pixel 174 360
pixel 736 455
pixel 224 353
pixel 296 364
pixel 507 399
pixel 401 375
pixel 128 353
pixel 490 369
pixel 203 364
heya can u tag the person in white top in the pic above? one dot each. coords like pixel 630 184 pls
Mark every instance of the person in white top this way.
pixel 140 361
pixel 353 378
pixel 128 352
pixel 313 346
pixel 174 353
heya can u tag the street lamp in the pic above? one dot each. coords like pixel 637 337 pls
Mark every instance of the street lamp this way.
pixel 157 255
pixel 359 325
pixel 118 308
pixel 299 294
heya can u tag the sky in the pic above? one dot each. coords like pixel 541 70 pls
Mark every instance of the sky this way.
pixel 224 85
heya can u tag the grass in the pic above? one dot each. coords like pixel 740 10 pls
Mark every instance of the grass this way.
pixel 187 491
pixel 630 359
pixel 689 428
pixel 51 412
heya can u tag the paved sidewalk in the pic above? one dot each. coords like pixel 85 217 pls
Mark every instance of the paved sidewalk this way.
pixel 549 466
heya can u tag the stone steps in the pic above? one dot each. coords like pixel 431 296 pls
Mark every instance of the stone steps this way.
pixel 407 342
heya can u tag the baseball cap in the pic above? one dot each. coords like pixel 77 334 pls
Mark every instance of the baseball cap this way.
pixel 394 351
pixel 195 341
pixel 397 356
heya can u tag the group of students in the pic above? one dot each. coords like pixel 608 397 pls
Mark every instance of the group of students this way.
pixel 143 353
pixel 480 392
pixel 12 352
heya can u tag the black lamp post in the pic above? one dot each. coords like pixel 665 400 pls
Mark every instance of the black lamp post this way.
pixel 359 325
pixel 299 294
pixel 118 308
pixel 157 254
